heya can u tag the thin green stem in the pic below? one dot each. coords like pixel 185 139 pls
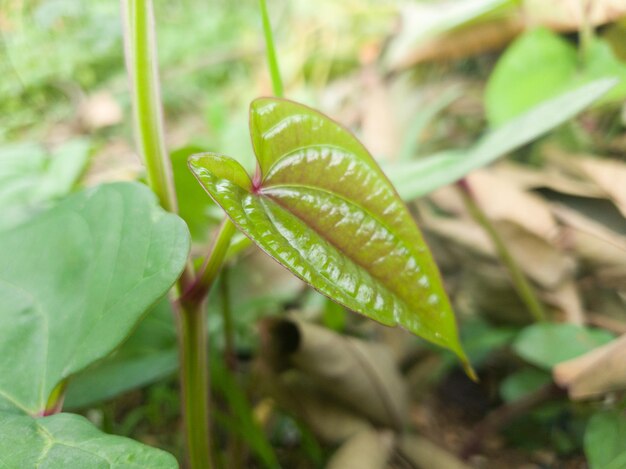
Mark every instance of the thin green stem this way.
pixel 141 61
pixel 212 265
pixel 227 320
pixel 520 282
pixel 195 384
pixel 272 61
pixel 586 32
pixel 55 401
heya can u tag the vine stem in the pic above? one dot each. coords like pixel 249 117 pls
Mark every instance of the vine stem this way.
pixel 272 61
pixel 520 282
pixel 141 61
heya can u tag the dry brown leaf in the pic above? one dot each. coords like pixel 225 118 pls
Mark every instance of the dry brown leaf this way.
pixel 330 420
pixel 542 261
pixel 502 200
pixel 361 375
pixel 610 176
pixel 567 299
pixel 595 373
pixel 548 177
pixel 369 449
pixel 571 15
pixel 423 454
pixel 378 126
pixel 465 42
pixel 453 37
pixel 592 242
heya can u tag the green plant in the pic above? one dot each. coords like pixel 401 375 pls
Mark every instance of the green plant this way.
pixel 76 279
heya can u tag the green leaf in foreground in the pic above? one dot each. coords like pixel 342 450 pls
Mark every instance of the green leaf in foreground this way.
pixel 74 282
pixel 417 178
pixel 321 206
pixel 67 441
pixel 149 354
pixel 546 344
pixel 605 441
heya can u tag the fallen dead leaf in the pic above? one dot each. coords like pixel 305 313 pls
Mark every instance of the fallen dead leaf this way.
pixel 423 454
pixel 567 299
pixel 595 373
pixel 368 449
pixel 502 200
pixel 571 15
pixel 362 376
pixel 610 176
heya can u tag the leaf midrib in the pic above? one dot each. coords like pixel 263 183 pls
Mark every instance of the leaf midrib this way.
pixel 404 303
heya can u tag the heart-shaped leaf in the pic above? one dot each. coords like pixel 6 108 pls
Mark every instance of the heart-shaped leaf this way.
pixel 67 440
pixel 74 282
pixel 321 206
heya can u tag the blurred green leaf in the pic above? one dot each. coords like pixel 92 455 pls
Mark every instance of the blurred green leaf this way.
pixel 148 355
pixel 540 65
pixel 30 177
pixel 481 338
pixel 523 382
pixel 417 178
pixel 74 282
pixel 322 207
pixel 65 440
pixel 194 205
pixel 334 315
pixel 605 441
pixel 547 344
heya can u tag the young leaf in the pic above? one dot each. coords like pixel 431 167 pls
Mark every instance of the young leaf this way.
pixel 74 282
pixel 321 206
pixel 67 440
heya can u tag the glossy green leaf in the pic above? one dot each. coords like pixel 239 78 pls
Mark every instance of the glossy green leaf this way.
pixel 70 441
pixel 74 282
pixel 548 344
pixel 321 206
pixel 539 65
pixel 417 178
pixel 605 441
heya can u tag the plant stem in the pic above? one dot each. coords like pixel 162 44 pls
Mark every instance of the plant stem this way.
pixel 227 320
pixel 586 32
pixel 195 384
pixel 141 61
pixel 55 401
pixel 212 265
pixel 272 62
pixel 521 283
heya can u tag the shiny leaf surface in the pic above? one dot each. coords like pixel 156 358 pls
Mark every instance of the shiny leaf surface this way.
pixel 67 440
pixel 320 205
pixel 74 282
